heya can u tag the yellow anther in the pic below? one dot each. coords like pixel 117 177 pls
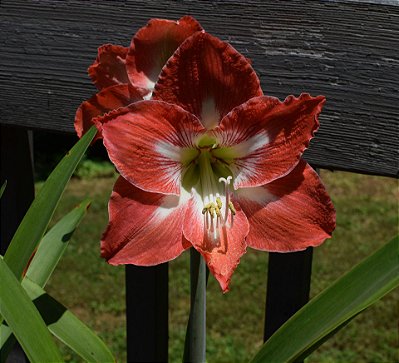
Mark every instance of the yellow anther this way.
pixel 212 210
pixel 207 208
pixel 233 210
pixel 217 210
pixel 219 202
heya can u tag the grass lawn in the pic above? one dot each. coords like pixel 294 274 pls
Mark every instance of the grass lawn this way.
pixel 367 216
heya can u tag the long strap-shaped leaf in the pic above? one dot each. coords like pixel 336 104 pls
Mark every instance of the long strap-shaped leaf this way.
pixel 63 324
pixel 42 265
pixel 36 220
pixel 334 307
pixel 3 187
pixel 54 244
pixel 68 328
pixel 24 319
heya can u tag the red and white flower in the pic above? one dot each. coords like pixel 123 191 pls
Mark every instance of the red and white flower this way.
pixel 212 163
pixel 125 75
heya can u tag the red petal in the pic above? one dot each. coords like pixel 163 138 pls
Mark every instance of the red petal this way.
pixel 147 140
pixel 144 228
pixel 266 137
pixel 223 254
pixel 106 100
pixel 289 214
pixel 152 46
pixel 208 78
pixel 110 66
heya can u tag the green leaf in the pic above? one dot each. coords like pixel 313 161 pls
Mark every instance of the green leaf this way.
pixel 3 187
pixel 61 322
pixel 53 245
pixel 50 251
pixel 67 327
pixel 332 309
pixel 24 319
pixel 36 220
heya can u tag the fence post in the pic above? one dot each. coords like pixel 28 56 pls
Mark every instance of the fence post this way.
pixel 17 169
pixel 147 313
pixel 288 286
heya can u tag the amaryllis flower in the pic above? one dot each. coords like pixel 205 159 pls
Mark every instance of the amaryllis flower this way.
pixel 212 163
pixel 125 75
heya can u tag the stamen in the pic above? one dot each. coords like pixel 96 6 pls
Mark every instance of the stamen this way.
pixel 212 227
pixel 233 213
pixel 233 210
pixel 226 182
pixel 216 214
pixel 212 210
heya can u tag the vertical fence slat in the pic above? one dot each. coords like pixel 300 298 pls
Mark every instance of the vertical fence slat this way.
pixel 288 286
pixel 17 169
pixel 147 313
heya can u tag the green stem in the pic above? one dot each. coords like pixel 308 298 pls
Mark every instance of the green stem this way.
pixel 195 343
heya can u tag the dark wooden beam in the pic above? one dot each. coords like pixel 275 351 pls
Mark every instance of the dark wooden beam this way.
pixel 346 50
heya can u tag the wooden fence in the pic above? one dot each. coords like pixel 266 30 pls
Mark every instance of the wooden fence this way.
pixel 346 50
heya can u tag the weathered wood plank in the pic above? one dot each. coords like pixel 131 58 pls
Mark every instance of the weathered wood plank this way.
pixel 346 50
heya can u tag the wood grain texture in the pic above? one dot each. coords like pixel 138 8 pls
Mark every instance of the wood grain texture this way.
pixel 346 50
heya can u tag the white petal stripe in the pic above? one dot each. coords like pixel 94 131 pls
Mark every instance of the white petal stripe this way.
pixel 250 145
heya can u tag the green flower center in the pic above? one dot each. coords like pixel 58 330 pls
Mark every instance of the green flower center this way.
pixel 209 173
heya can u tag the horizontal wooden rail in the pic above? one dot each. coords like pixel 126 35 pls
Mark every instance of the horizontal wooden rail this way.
pixel 346 50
